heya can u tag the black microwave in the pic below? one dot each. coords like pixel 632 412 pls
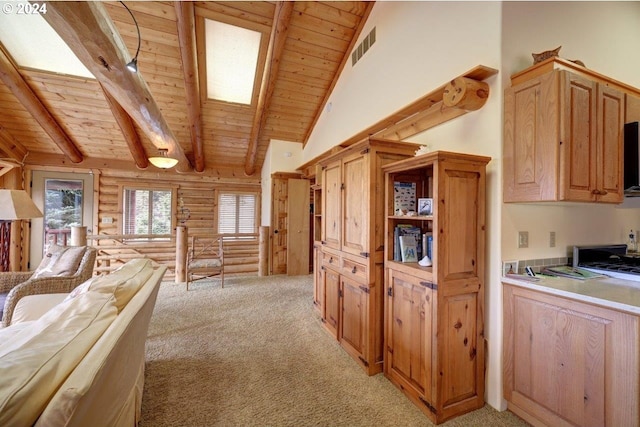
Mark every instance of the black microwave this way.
pixel 631 159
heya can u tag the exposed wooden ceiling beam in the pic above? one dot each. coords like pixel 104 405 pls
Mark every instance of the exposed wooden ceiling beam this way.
pixel 90 33
pixel 185 14
pixel 11 77
pixel 11 146
pixel 345 58
pixel 128 131
pixel 282 16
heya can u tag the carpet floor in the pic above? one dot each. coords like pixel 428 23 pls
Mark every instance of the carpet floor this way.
pixel 255 354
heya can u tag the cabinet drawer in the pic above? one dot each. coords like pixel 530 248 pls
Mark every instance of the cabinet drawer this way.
pixel 330 260
pixel 354 269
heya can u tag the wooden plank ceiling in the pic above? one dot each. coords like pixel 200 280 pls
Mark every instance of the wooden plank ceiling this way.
pixel 72 121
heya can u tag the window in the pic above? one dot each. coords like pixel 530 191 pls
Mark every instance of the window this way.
pixel 147 211
pixel 231 61
pixel 237 213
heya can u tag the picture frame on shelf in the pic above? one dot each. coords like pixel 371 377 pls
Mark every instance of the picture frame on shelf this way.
pixel 425 206
pixel 509 267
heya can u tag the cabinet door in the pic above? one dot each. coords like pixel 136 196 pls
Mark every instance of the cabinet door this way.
pixel 578 155
pixel 569 363
pixel 331 218
pixel 318 280
pixel 331 301
pixel 610 131
pixel 353 322
pixel 531 140
pixel 408 334
pixel 356 205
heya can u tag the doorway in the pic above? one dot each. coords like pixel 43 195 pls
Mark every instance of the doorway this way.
pixel 66 200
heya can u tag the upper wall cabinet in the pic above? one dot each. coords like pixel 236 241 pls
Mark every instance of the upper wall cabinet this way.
pixel 563 136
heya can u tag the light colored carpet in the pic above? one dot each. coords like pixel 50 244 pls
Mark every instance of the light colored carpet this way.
pixel 255 354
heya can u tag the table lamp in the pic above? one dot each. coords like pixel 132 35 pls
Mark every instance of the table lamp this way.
pixel 14 205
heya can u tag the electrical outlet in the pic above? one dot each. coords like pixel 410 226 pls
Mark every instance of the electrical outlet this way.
pixel 552 239
pixel 523 239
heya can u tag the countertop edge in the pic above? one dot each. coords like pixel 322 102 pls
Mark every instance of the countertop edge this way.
pixel 553 286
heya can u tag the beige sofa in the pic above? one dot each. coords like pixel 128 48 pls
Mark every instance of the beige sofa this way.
pixel 89 358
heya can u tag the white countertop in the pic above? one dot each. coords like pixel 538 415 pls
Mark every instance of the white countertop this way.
pixel 613 293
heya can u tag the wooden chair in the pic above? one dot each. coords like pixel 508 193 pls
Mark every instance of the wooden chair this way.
pixel 205 259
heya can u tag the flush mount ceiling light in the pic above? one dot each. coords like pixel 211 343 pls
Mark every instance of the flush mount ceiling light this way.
pixel 162 160
pixel 133 65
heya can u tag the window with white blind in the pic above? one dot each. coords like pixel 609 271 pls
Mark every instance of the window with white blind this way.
pixel 147 211
pixel 237 213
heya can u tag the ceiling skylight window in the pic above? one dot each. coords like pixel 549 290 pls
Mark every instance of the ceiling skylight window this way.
pixel 232 57
pixel 32 43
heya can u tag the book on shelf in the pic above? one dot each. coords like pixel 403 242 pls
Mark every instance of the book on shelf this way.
pixel 408 249
pixel 406 230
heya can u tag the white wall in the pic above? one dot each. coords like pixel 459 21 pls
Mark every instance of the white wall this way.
pixel 281 156
pixel 604 35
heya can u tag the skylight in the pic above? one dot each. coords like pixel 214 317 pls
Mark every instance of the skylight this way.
pixel 32 43
pixel 232 57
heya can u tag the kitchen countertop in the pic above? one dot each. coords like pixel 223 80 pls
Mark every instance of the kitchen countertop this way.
pixel 623 295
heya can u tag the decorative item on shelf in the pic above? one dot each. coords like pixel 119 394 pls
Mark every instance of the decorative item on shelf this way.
pixel 404 196
pixel 162 160
pixel 539 57
pixel 425 206
pixel 14 205
pixel 425 262
pixel 183 214
pixel 424 149
pixel 133 64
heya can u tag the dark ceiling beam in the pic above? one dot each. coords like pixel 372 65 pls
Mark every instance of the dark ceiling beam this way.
pixel 11 146
pixel 345 58
pixel 185 14
pixel 91 34
pixel 11 77
pixel 128 131
pixel 281 19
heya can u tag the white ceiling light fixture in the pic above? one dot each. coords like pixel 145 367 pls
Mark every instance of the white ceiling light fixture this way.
pixel 162 160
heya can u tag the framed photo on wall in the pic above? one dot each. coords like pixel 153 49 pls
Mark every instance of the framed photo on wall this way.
pixel 425 207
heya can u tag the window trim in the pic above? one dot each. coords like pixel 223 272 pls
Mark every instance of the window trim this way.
pixel 146 186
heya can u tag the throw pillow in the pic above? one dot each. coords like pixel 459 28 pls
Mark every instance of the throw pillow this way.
pixel 63 261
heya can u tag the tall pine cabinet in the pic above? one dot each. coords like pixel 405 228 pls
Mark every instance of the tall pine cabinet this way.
pixel 434 330
pixel 349 275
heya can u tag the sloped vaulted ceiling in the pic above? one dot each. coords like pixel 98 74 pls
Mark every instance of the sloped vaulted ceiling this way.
pixel 306 46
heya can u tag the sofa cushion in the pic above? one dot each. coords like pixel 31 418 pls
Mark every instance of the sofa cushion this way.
pixel 123 283
pixel 37 356
pixel 62 261
pixel 32 307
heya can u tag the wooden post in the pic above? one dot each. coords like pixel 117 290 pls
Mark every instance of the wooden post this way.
pixel 181 254
pixel 263 262
pixel 78 236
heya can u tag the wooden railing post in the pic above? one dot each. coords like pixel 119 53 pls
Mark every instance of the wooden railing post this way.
pixel 263 244
pixel 181 254
pixel 78 236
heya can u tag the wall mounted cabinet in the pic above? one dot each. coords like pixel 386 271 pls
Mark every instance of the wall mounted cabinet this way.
pixel 563 136
pixel 434 333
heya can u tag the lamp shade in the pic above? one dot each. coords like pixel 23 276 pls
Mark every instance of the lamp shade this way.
pixel 162 160
pixel 16 204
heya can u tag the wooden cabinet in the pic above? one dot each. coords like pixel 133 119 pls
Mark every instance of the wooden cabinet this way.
pixel 352 244
pixel 563 138
pixel 434 331
pixel 568 363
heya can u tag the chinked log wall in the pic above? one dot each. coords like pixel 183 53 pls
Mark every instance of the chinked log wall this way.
pixel 199 195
